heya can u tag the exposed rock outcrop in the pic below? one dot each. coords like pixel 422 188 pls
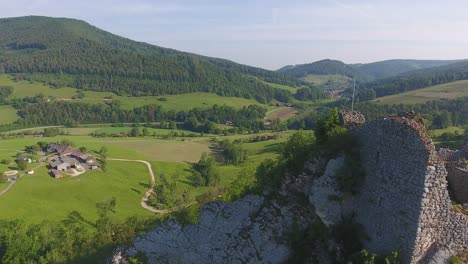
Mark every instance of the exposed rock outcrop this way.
pixel 324 194
pixel 249 230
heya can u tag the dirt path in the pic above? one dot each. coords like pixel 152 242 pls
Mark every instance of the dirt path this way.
pixel 144 200
pixel 15 180
pixel 12 182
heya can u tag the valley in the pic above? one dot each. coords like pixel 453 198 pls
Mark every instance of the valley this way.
pixel 224 161
pixel 40 197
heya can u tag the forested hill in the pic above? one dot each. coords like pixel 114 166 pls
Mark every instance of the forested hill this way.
pixel 71 52
pixel 362 71
pixel 389 68
pixel 323 67
pixel 413 80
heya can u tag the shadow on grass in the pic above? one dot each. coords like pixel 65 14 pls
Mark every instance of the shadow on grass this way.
pixel 135 190
pixel 274 147
pixel 76 218
pixel 146 185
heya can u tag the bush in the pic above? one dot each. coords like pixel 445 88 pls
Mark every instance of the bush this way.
pixel 364 257
pixel 329 127
pixel 297 150
pixel 187 215
pixel 455 260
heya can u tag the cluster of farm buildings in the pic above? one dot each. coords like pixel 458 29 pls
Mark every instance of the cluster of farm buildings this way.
pixel 69 159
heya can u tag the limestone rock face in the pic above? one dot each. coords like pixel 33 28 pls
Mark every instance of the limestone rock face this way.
pixel 249 230
pixel 322 192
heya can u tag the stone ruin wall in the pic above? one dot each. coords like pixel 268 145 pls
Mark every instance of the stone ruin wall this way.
pixel 458 181
pixel 404 202
pixel 351 119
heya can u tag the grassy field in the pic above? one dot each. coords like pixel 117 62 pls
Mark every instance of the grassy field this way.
pixel 282 114
pixel 40 197
pixel 280 86
pixel 8 114
pixel 171 102
pixel 452 129
pixel 446 91
pixel 338 80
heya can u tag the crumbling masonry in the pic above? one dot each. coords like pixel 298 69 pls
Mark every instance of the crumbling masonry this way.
pixel 404 202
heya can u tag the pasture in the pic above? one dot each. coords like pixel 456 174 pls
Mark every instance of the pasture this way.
pixel 282 114
pixel 171 102
pixel 8 114
pixel 39 197
pixel 332 79
pixel 447 91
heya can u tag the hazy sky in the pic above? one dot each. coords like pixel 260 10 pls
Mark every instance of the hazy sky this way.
pixel 271 33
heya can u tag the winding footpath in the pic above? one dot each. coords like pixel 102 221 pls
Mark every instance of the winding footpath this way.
pixel 144 200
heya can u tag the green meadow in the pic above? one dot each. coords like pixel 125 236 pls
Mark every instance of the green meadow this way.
pixel 447 91
pixel 39 197
pixel 171 102
pixel 8 114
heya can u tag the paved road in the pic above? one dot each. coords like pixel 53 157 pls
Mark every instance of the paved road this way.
pixel 144 200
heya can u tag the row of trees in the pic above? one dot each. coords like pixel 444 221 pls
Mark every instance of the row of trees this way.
pixel 68 241
pixel 199 120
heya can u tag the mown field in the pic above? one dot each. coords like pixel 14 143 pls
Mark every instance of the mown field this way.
pixel 39 197
pixel 337 80
pixel 282 114
pixel 8 114
pixel 446 91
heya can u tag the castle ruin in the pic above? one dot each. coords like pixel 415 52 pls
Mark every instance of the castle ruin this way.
pixel 404 202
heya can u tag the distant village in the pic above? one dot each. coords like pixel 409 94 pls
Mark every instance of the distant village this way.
pixel 70 160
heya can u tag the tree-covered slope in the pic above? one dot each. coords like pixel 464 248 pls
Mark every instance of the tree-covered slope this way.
pixel 414 80
pixel 323 67
pixel 389 68
pixel 362 71
pixel 71 52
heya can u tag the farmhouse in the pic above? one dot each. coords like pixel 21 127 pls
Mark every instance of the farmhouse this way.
pixel 56 174
pixel 60 149
pixel 69 158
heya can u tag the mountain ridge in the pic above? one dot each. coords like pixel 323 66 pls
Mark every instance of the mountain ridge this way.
pixel 363 71
pixel 62 51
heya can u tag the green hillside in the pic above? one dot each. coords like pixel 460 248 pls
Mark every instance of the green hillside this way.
pixel 389 68
pixel 330 81
pixel 447 91
pixel 362 71
pixel 22 89
pixel 67 52
pixel 323 67
pixel 414 80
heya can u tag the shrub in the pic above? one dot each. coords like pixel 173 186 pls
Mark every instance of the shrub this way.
pixel 455 260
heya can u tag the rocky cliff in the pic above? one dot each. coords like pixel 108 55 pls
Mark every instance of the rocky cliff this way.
pixel 253 229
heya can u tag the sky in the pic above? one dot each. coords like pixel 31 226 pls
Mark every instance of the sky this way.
pixel 270 33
